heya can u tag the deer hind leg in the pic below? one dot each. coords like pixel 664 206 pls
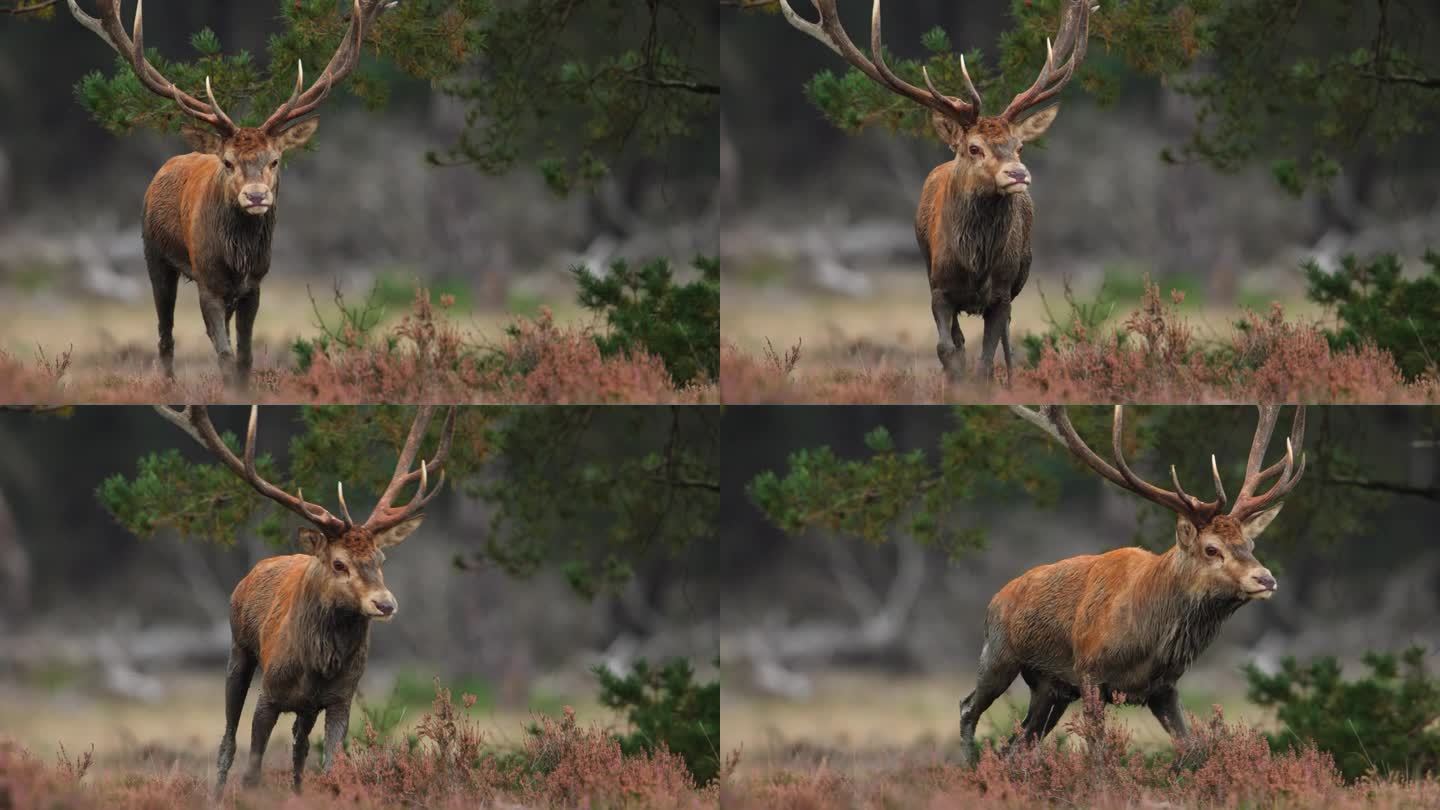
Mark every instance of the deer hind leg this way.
pixel 164 281
pixel 304 724
pixel 266 714
pixel 237 685
pixel 217 326
pixel 951 345
pixel 996 672
pixel 1049 699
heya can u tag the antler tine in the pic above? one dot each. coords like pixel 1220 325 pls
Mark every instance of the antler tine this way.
pixel 340 494
pixel 1219 485
pixel 815 30
pixel 1264 427
pixel 1070 41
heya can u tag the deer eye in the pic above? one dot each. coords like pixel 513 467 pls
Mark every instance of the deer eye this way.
pixel 229 166
pixel 340 567
pixel 975 150
pixel 274 163
pixel 1212 551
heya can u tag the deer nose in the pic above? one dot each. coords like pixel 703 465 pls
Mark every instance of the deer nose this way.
pixel 1018 175
pixel 256 197
pixel 386 608
pixel 1265 581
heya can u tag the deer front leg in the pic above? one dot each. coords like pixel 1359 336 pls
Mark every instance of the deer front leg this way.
pixel 266 713
pixel 212 308
pixel 337 725
pixel 951 345
pixel 304 723
pixel 245 313
pixel 997 325
pixel 1165 705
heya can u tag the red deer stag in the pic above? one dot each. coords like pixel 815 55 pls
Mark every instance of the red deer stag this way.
pixel 304 619
pixel 1129 621
pixel 975 214
pixel 210 215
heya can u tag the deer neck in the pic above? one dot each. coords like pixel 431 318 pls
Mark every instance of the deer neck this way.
pixel 986 227
pixel 329 635
pixel 1183 618
pixel 241 239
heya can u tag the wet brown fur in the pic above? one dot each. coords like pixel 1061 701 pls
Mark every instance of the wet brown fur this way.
pixel 305 625
pixel 1127 621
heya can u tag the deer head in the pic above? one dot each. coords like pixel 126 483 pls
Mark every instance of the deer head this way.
pixel 1218 550
pixel 249 156
pixel 348 555
pixel 987 148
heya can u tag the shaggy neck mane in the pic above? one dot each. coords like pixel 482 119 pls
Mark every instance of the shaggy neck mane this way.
pixel 1183 619
pixel 327 635
pixel 981 222
pixel 244 239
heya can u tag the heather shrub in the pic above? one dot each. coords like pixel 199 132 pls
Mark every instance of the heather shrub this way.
pixel 667 710
pixel 648 312
pixel 1376 305
pixel 1383 722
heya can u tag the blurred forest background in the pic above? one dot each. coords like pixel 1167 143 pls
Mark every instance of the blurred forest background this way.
pixel 853 632
pixel 539 172
pixel 1294 132
pixel 551 551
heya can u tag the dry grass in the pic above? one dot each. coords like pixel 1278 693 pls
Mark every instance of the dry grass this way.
pixel 1155 356
pixel 425 356
pixel 1224 765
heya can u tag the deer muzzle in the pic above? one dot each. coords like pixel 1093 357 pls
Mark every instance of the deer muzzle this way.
pixel 381 606
pixel 1260 584
pixel 256 198
pixel 1014 178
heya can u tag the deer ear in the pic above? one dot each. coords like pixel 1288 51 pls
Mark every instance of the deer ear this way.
pixel 312 540
pixel 1185 533
pixel 297 135
pixel 948 130
pixel 1035 126
pixel 395 536
pixel 1255 525
pixel 206 141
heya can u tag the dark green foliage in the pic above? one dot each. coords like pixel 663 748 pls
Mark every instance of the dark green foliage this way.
pixel 647 310
pixel 575 85
pixel 1376 304
pixel 1383 722
pixel 988 451
pixel 667 708
pixel 591 489
pixel 1302 86
pixel 424 39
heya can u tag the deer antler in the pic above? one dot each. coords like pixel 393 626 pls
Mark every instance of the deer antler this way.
pixel 1056 422
pixel 301 102
pixel 346 57
pixel 1070 42
pixel 109 28
pixel 385 515
pixel 829 32
pixel 195 421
